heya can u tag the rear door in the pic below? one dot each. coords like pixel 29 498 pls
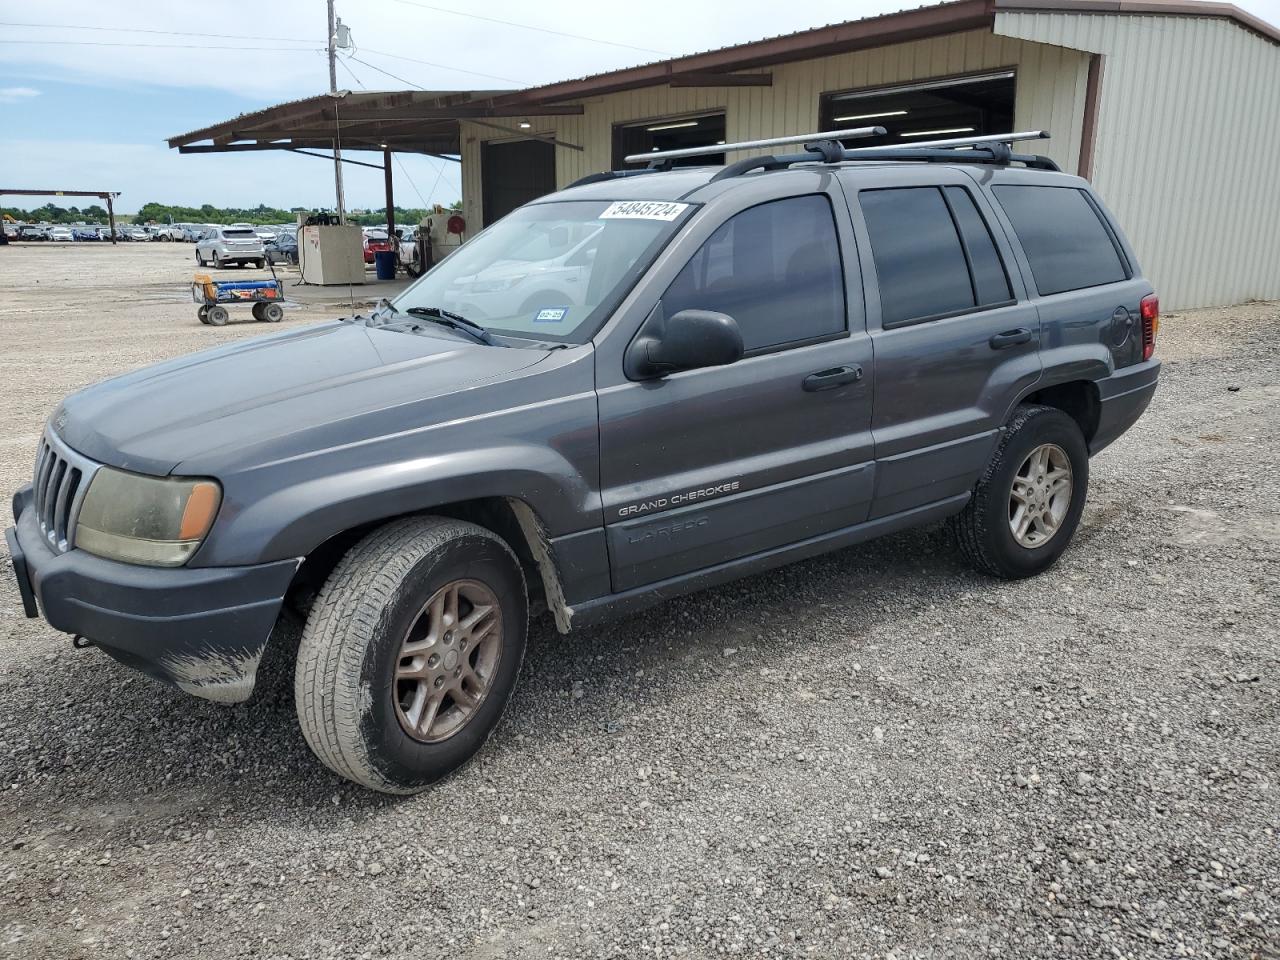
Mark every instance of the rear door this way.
pixel 956 339
pixel 1083 278
pixel 707 466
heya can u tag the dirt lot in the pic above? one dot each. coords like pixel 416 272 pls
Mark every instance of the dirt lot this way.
pixel 877 753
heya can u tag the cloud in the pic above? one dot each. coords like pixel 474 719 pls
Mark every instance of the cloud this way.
pixel 17 94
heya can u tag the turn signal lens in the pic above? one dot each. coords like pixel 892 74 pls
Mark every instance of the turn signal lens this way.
pixel 1150 324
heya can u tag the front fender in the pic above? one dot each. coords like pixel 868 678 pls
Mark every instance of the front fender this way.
pixel 292 520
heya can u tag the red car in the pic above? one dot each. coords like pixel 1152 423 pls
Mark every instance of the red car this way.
pixel 375 241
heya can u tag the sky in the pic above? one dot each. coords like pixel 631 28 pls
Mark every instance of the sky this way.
pixel 90 90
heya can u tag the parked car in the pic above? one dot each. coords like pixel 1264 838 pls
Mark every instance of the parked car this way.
pixel 265 234
pixel 61 234
pixel 224 246
pixel 283 249
pixel 375 241
pixel 31 232
pixel 167 232
pixel 757 364
pixel 85 234
pixel 139 234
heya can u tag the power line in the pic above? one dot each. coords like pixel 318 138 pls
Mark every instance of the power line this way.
pixel 167 33
pixel 152 46
pixel 428 63
pixel 529 26
pixel 403 169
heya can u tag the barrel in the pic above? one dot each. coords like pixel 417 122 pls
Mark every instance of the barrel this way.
pixel 384 263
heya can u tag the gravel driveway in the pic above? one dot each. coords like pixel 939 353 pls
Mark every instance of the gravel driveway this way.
pixel 877 753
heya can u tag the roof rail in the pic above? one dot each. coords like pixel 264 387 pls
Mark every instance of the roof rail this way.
pixel 660 156
pixel 825 147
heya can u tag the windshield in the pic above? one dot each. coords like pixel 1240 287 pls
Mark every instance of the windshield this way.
pixel 549 271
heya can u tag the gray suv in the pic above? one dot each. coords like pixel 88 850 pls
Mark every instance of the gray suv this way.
pixel 727 369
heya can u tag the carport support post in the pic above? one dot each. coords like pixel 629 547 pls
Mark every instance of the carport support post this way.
pixel 391 201
pixel 111 217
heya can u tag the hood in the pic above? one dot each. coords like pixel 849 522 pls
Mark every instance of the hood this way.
pixel 261 393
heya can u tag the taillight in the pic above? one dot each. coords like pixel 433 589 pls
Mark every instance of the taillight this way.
pixel 1150 324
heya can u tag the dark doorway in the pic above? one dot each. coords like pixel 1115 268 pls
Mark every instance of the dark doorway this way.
pixel 935 109
pixel 673 133
pixel 514 173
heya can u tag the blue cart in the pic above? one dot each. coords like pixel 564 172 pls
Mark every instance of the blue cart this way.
pixel 214 296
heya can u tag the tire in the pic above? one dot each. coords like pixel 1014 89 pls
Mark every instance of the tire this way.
pixel 272 313
pixel 217 316
pixel 256 310
pixel 350 705
pixel 203 314
pixel 984 529
pixel 199 259
pixel 260 264
pixel 217 261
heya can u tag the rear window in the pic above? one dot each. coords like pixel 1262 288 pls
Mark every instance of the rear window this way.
pixel 1066 242
pixel 238 233
pixel 933 253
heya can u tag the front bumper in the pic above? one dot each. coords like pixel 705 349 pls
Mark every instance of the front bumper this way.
pixel 1123 396
pixel 202 630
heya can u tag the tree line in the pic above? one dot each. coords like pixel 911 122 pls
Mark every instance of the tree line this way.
pixel 206 213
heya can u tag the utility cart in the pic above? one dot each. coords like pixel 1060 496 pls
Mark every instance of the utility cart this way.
pixel 214 296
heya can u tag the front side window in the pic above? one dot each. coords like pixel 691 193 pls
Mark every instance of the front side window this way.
pixel 549 271
pixel 933 253
pixel 774 268
pixel 1063 237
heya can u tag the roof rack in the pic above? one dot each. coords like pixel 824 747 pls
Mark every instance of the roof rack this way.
pixel 825 147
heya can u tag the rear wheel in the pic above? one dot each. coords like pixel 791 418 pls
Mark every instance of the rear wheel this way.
pixel 260 264
pixel 410 653
pixel 1028 503
pixel 217 316
pixel 272 312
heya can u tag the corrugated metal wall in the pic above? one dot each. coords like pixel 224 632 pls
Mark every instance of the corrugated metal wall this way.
pixel 1051 94
pixel 1187 146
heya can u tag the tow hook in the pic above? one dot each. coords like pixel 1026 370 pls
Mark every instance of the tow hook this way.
pixel 82 643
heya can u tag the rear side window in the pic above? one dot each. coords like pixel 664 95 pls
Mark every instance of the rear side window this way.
pixel 933 253
pixel 1065 240
pixel 774 268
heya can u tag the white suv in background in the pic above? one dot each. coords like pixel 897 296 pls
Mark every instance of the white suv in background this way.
pixel 223 246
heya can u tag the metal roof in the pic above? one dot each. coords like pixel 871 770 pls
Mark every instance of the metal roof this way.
pixel 428 121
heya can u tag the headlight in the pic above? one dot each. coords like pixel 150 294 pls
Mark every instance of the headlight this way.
pixel 149 520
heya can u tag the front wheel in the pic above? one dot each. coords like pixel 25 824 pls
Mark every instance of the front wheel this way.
pixel 410 653
pixel 1028 503
pixel 216 316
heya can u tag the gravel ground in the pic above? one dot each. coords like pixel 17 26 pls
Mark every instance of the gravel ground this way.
pixel 875 754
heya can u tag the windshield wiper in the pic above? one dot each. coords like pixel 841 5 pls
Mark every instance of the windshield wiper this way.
pixel 454 322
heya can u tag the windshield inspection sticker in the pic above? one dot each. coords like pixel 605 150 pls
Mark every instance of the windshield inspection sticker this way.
pixel 550 315
pixel 643 210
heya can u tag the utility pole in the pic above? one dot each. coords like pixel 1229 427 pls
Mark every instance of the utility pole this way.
pixel 333 88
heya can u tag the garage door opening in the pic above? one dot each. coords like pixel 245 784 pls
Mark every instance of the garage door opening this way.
pixel 927 110
pixel 672 133
pixel 514 173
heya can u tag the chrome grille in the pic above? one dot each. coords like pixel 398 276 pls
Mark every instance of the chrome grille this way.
pixel 61 480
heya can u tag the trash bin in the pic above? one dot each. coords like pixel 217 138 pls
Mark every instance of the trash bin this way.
pixel 384 264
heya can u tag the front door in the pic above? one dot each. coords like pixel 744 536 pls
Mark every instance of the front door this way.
pixel 707 466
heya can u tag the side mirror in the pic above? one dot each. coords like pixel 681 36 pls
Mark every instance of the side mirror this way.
pixel 689 340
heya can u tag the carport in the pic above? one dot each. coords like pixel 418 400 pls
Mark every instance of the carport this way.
pixel 107 195
pixel 333 125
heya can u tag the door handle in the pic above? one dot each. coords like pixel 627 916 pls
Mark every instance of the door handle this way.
pixel 1010 338
pixel 835 377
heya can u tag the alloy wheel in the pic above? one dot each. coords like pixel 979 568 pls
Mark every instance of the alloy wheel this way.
pixel 448 660
pixel 1040 496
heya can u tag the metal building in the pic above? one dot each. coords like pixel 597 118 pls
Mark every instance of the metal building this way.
pixel 1169 107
